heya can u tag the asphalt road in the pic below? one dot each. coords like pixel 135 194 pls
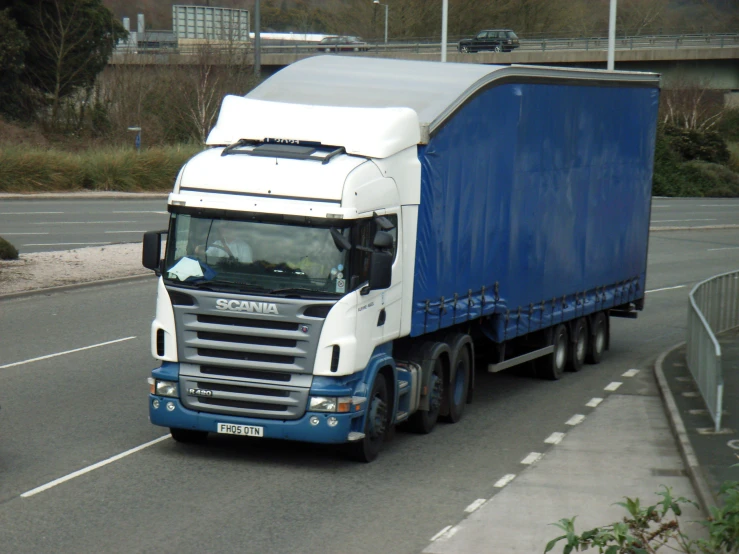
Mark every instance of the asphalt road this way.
pixel 49 225
pixel 65 413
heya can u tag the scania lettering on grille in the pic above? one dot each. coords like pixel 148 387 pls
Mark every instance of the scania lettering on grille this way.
pixel 199 392
pixel 246 306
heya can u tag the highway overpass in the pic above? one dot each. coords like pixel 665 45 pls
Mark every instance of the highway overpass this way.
pixel 712 59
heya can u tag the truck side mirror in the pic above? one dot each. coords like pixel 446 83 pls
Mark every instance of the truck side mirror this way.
pixel 152 250
pixel 383 240
pixel 381 270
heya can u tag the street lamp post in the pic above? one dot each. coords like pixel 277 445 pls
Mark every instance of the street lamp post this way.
pixel 612 37
pixel 386 7
pixel 137 138
pixel 257 40
pixel 444 25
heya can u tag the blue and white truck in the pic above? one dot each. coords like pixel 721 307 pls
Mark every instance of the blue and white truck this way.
pixel 360 233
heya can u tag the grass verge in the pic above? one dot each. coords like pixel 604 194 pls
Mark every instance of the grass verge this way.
pixel 108 169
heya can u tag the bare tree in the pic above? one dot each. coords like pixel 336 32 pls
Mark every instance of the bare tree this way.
pixel 691 104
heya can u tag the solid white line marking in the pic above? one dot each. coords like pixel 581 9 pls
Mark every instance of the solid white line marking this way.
pixel 630 373
pixel 667 288
pixel 440 533
pixel 142 212
pixel 29 213
pixel 18 234
pixel 661 206
pixel 65 352
pixel 532 458
pixel 503 481
pixel 718 205
pixel 727 248
pixel 80 222
pixel 116 232
pixel 613 386
pixel 554 438
pixel 594 402
pixel 68 244
pixel 93 467
pixel 475 505
pixel 682 220
pixel 575 419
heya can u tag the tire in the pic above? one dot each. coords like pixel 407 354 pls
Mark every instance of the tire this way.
pixel 424 421
pixel 188 436
pixel 356 49
pixel 327 50
pixel 579 345
pixel 552 367
pixel 464 50
pixel 459 387
pixel 376 423
pixel 496 49
pixel 598 339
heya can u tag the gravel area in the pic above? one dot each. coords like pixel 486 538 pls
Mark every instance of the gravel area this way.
pixel 52 269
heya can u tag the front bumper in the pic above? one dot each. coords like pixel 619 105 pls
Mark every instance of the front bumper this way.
pixel 297 430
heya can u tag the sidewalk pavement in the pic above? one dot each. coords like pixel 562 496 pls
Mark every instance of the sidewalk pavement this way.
pixel 647 434
pixel 714 453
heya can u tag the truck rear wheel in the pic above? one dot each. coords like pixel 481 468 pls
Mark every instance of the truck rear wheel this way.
pixel 424 421
pixel 553 365
pixel 578 345
pixel 459 384
pixel 376 423
pixel 598 339
pixel 188 436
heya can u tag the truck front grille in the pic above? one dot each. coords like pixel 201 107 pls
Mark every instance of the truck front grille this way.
pixel 248 363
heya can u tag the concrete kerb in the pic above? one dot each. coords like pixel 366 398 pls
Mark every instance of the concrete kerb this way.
pixel 705 497
pixel 75 286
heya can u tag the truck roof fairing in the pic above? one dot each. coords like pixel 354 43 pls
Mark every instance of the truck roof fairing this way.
pixel 363 103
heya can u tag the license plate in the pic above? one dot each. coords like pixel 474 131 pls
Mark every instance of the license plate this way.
pixel 243 430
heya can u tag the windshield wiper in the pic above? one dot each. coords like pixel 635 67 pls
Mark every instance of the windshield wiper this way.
pixel 298 290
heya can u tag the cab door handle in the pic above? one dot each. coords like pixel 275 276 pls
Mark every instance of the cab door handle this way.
pixel 381 319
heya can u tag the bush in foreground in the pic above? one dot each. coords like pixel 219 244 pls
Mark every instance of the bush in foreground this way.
pixel 7 250
pixel 647 529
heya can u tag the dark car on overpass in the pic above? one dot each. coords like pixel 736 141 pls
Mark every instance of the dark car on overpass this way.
pixel 342 44
pixel 495 40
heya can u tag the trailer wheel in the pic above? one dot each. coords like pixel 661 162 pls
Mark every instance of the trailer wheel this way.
pixel 424 421
pixel 598 339
pixel 578 345
pixel 188 436
pixel 553 366
pixel 376 423
pixel 497 49
pixel 464 50
pixel 460 385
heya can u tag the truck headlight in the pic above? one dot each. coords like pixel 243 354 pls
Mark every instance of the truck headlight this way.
pixel 340 404
pixel 165 388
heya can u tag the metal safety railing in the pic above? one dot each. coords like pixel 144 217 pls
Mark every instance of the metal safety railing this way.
pixel 713 309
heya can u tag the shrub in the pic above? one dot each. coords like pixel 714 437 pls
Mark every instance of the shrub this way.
pixel 707 146
pixel 728 127
pixel 708 179
pixel 7 250
pixel 648 528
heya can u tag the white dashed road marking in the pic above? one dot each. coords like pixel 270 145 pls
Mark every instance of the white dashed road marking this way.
pixel 532 458
pixel 594 402
pixel 630 373
pixel 475 505
pixel 503 481
pixel 554 438
pixel 613 386
pixel 575 419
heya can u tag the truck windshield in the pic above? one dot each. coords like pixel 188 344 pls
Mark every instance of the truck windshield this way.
pixel 257 256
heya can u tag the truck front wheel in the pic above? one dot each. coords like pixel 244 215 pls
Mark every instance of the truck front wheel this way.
pixel 188 436
pixel 376 423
